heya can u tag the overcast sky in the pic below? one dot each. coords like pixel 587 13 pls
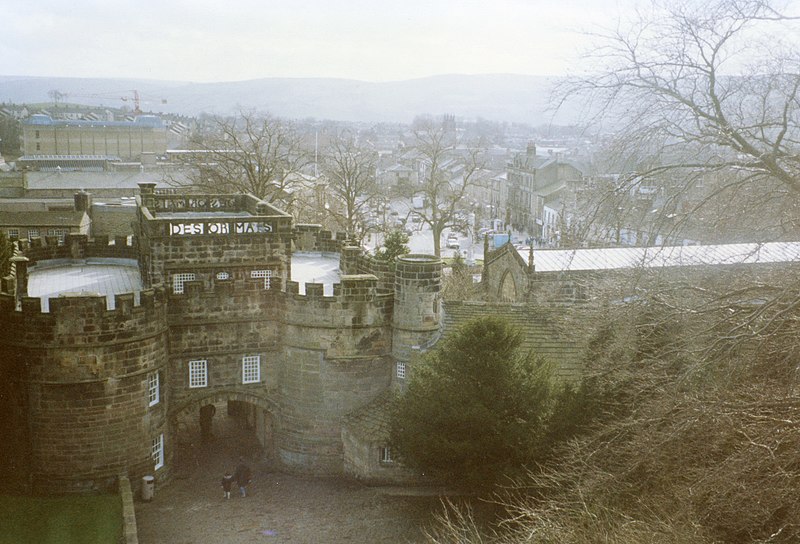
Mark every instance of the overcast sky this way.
pixel 372 40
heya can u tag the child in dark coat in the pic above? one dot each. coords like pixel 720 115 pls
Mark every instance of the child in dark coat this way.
pixel 227 483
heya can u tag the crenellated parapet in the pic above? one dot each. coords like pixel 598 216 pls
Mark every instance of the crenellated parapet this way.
pixel 312 237
pixel 355 302
pixel 78 246
pixel 355 261
pixel 81 320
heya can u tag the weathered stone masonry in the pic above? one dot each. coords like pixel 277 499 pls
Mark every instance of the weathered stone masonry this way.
pixel 216 271
pixel 84 372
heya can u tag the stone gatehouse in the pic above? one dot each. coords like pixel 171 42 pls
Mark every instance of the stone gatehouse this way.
pixel 106 344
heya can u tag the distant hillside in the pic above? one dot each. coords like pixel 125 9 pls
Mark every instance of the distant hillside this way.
pixel 499 97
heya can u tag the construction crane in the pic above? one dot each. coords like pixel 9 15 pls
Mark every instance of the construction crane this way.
pixel 137 101
pixel 136 109
pixel 134 96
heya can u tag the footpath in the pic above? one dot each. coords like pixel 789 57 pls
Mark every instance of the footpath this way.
pixel 279 508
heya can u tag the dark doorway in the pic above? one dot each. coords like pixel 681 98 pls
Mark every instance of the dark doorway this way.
pixel 212 437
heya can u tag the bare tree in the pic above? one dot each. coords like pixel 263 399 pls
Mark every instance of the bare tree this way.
pixel 695 94
pixel 722 147
pixel 698 372
pixel 444 192
pixel 252 153
pixel 351 186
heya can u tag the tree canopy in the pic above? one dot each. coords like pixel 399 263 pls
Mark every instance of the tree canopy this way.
pixel 350 170
pixel 450 170
pixel 701 364
pixel 477 408
pixel 395 244
pixel 252 154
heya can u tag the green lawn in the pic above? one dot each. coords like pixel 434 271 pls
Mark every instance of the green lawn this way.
pixel 95 519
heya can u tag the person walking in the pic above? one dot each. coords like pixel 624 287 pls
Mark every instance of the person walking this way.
pixel 227 483
pixel 242 476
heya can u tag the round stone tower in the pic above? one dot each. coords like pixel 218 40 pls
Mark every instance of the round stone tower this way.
pixel 92 380
pixel 417 304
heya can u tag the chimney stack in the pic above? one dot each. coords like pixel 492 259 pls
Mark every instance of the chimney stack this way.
pixel 531 151
pixel 83 201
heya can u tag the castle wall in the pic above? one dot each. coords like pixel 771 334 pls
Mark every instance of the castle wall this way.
pixel 79 246
pixel 222 325
pixel 86 372
pixel 335 359
pixel 308 237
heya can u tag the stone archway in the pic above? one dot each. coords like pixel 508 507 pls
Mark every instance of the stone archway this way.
pixel 254 417
pixel 508 288
pixel 218 396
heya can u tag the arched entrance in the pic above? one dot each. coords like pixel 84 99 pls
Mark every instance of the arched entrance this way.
pixel 212 432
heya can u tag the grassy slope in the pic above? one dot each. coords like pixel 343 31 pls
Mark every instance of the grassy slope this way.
pixel 62 520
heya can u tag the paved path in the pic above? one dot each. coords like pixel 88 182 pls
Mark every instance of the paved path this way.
pixel 279 509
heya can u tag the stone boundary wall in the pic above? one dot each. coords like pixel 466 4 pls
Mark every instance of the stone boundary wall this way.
pixel 130 533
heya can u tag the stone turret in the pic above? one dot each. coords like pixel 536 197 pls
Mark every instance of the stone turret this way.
pixel 417 304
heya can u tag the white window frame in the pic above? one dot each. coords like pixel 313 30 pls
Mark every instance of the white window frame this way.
pixel 157 451
pixel 386 455
pixel 13 233
pixel 251 369
pixel 179 279
pixel 400 371
pixel 223 276
pixel 266 274
pixel 153 386
pixel 198 373
pixel 59 233
pixel 32 233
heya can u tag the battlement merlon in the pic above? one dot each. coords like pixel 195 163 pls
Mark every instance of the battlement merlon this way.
pixel 72 304
pixel 356 287
pixel 78 246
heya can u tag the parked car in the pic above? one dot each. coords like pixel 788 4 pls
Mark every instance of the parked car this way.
pixel 452 242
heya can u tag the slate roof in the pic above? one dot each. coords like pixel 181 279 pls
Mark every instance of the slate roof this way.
pixel 371 422
pixel 538 334
pixel 42 218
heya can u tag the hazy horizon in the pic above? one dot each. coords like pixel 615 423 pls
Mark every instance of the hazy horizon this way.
pixel 364 40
